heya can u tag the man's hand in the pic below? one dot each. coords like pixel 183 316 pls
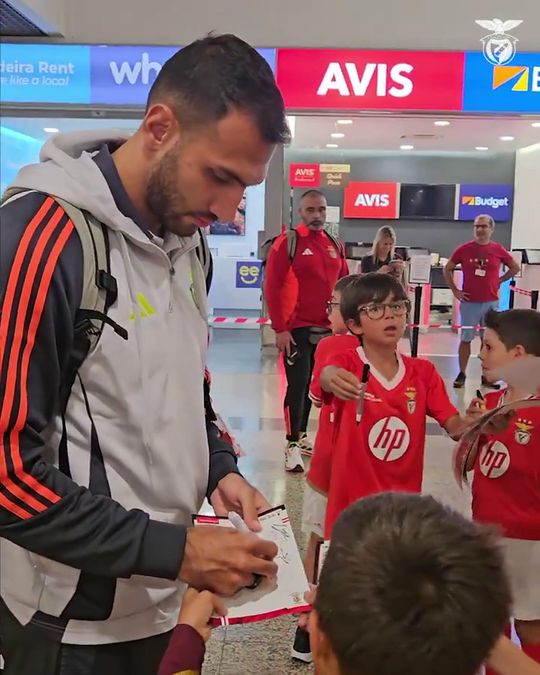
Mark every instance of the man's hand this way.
pixel 460 295
pixel 197 609
pixel 285 342
pixel 224 560
pixel 234 493
pixel 341 383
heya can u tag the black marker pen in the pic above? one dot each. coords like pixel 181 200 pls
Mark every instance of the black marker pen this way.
pixel 363 385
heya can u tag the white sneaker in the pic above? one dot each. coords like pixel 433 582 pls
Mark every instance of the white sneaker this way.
pixel 306 446
pixel 293 458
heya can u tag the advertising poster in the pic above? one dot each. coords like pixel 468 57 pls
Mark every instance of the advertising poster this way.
pixel 491 200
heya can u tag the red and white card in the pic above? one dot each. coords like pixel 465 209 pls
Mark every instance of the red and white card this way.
pixel 270 599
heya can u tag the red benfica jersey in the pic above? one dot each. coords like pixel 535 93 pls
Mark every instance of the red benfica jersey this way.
pixel 506 484
pixel 385 450
pixel 297 292
pixel 319 468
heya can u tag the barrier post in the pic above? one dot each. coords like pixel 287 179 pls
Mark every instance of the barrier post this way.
pixel 512 294
pixel 534 299
pixel 416 320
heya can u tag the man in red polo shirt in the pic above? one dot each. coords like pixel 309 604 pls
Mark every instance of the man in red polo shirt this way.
pixel 481 260
pixel 297 292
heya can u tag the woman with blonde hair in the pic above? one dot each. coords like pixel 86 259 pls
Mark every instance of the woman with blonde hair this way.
pixel 383 258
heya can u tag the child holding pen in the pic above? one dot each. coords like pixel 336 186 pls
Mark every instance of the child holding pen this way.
pixel 380 426
pixel 506 484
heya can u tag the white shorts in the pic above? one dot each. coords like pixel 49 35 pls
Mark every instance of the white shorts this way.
pixel 314 512
pixel 522 558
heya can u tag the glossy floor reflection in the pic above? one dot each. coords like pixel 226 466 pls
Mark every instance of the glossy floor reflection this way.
pixel 248 389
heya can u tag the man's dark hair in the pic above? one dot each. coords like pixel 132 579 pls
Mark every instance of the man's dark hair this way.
pixel 209 78
pixel 410 587
pixel 516 327
pixel 367 288
pixel 312 193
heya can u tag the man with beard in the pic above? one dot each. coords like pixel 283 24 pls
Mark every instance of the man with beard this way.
pixel 97 492
pixel 297 290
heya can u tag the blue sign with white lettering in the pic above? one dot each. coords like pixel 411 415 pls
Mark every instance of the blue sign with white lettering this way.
pixel 88 74
pixel 248 274
pixel 491 200
pixel 31 73
pixel 514 87
pixel 123 75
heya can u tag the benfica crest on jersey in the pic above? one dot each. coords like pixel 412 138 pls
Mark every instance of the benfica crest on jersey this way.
pixel 523 431
pixel 410 393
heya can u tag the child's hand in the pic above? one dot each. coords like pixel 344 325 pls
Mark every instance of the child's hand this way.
pixel 197 608
pixel 498 423
pixel 341 383
pixel 477 407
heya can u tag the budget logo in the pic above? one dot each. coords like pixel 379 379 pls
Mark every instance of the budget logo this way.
pixel 491 200
pixel 499 46
pixel 517 78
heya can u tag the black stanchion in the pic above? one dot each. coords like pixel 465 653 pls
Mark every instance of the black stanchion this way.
pixel 534 299
pixel 512 294
pixel 416 320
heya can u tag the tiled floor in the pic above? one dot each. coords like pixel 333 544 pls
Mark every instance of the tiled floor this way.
pixel 248 390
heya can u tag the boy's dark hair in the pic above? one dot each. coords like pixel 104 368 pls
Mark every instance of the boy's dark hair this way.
pixel 516 327
pixel 204 81
pixel 368 288
pixel 410 587
pixel 344 282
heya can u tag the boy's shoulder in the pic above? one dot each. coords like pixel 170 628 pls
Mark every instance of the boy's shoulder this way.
pixel 335 344
pixel 420 367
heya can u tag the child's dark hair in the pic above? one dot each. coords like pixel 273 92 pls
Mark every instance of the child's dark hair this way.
pixel 345 281
pixel 368 288
pixel 411 587
pixel 516 327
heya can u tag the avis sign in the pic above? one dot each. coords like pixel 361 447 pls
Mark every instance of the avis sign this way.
pixel 349 79
pixel 371 200
pixel 304 175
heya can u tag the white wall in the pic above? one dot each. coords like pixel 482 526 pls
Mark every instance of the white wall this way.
pixel 390 24
pixel 526 220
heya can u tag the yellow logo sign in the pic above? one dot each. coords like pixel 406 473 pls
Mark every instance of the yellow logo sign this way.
pixel 523 432
pixel 410 393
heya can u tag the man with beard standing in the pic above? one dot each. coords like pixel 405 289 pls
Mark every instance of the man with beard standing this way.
pixel 297 290
pixel 97 485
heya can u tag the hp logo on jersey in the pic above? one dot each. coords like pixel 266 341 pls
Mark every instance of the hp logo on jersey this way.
pixel 494 459
pixel 389 439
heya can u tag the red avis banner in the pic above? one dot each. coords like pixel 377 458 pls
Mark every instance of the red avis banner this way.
pixel 304 175
pixel 374 79
pixel 371 200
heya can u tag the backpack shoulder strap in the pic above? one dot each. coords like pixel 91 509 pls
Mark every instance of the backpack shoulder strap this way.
pixel 205 258
pixel 292 242
pixel 337 243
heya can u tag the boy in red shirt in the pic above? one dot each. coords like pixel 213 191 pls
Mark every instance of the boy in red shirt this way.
pixel 316 489
pixel 381 424
pixel 506 485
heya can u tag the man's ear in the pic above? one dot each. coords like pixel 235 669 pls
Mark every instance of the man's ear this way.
pixel 519 352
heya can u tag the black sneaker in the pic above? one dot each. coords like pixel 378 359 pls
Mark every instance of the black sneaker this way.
pixel 459 382
pixel 490 385
pixel 301 650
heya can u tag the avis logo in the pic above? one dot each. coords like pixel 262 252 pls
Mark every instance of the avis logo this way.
pixel 304 173
pixel 346 80
pixel 364 199
pixel 493 202
pixel 518 78
pixel 145 70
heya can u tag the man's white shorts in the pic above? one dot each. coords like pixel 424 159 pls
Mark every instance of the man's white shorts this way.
pixel 522 558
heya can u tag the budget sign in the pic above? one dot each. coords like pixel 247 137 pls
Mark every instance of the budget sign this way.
pixel 248 274
pixel 491 200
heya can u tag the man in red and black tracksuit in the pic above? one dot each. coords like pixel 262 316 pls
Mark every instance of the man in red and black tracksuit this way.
pixel 297 292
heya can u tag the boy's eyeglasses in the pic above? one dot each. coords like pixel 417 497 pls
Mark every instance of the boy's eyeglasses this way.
pixel 376 311
pixel 330 306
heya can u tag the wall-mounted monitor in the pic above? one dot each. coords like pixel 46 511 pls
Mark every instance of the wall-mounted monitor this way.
pixel 418 201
